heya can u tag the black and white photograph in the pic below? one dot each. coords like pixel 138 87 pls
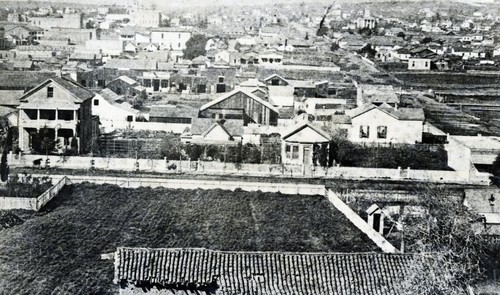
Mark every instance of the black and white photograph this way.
pixel 250 147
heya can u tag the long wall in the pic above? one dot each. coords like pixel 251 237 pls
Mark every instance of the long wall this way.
pixel 220 168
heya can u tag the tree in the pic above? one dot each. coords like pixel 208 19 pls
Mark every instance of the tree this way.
pixel 165 23
pixel 401 35
pixel 195 46
pixel 171 147
pixel 450 250
pixel 322 30
pixel 426 40
pixel 496 171
pixel 334 47
pixel 4 168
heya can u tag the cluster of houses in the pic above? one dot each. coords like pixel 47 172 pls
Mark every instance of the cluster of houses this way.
pixel 67 110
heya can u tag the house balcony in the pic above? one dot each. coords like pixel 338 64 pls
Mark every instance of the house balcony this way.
pixel 41 123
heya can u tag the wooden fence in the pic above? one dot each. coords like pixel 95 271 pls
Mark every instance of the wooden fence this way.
pixel 8 203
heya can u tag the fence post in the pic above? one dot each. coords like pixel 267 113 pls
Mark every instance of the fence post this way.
pixel 408 172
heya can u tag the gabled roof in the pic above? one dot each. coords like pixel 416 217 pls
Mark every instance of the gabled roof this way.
pixel 233 127
pixel 216 125
pixel 126 79
pixel 113 99
pixel 78 91
pixel 252 83
pixel 275 76
pixel 263 272
pixel 302 126
pixel 229 94
pixel 404 114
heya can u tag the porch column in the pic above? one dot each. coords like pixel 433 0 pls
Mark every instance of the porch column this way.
pixel 37 119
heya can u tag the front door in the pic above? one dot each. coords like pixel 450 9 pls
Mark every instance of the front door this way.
pixel 307 156
pixel 156 85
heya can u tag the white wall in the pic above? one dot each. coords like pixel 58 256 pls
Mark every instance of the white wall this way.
pixel 167 40
pixel 398 131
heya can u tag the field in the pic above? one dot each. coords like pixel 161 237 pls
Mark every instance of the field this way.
pixel 447 80
pixel 58 251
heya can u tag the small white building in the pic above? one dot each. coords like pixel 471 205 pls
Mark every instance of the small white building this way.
pixel 419 64
pixel 385 124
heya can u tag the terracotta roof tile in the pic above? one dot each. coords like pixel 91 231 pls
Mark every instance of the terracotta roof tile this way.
pixel 263 272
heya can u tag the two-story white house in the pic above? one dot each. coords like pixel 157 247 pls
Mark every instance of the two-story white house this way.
pixel 170 38
pixel 63 109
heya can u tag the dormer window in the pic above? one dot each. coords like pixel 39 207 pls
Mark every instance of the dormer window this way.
pixel 50 91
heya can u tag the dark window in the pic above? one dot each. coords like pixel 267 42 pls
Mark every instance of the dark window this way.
pixel 32 114
pixel 164 83
pixel 221 79
pixel 101 83
pixel 50 91
pixel 96 102
pixel 364 131
pixel 130 118
pixel 147 83
pixel 65 115
pixel 382 132
pixel 47 114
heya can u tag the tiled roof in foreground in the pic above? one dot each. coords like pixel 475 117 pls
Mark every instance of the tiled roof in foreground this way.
pixel 262 272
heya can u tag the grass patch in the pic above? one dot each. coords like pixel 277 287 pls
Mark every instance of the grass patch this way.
pixel 59 250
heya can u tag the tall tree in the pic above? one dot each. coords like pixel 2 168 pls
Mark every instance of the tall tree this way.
pixel 322 30
pixel 195 46
pixel 449 246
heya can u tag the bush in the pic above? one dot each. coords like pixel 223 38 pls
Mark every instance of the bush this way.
pixel 28 187
pixel 426 157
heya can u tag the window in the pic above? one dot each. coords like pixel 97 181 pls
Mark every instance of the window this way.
pixel 364 131
pixel 96 102
pixel 179 45
pixel 413 64
pixel 65 115
pixel 130 118
pixel 162 35
pixel 179 36
pixel 382 132
pixel 426 64
pixel 164 83
pixel 288 151
pixel 147 83
pixel 50 91
pixel 221 79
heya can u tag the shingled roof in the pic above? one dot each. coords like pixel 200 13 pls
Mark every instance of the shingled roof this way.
pixel 261 272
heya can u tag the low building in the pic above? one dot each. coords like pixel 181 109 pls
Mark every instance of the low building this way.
pixel 219 132
pixel 386 124
pixel 218 272
pixel 298 144
pixel 112 110
pixel 124 85
pixel 419 64
pixel 242 105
